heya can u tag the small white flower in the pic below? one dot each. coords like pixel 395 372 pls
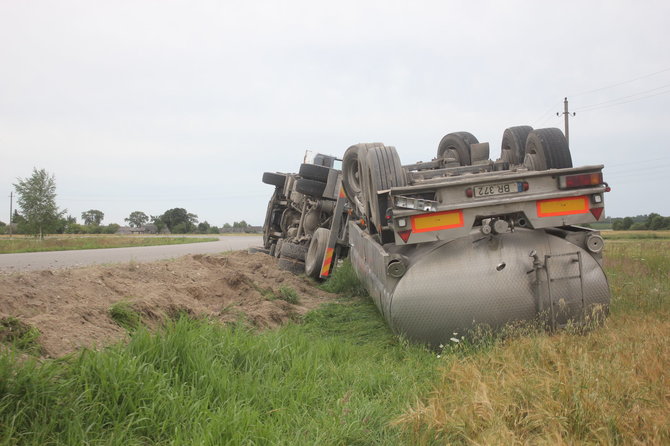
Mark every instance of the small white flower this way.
pixel 439 356
pixel 455 334
pixel 441 346
pixel 455 340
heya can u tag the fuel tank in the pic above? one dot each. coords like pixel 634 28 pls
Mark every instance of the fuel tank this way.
pixel 428 292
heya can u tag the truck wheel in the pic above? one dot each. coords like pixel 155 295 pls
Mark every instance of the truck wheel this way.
pixel 277 252
pixel 268 228
pixel 310 187
pixel 296 267
pixel 353 166
pixel 513 148
pixel 316 252
pixel 457 145
pixel 547 149
pixel 314 172
pixel 384 172
pixel 293 250
pixel 274 179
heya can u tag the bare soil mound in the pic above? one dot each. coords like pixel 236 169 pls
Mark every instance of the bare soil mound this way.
pixel 71 307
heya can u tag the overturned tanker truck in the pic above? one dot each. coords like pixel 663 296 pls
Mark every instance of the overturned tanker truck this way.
pixel 460 241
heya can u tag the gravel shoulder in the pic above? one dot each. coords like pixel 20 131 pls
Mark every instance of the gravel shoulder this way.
pixel 32 261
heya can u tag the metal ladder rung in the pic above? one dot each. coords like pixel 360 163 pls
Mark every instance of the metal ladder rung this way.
pixel 554 279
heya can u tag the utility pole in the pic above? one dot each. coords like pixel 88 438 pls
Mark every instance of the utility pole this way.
pixel 566 114
pixel 11 200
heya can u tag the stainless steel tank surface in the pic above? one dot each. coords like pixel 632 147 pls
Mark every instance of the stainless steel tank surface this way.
pixel 450 288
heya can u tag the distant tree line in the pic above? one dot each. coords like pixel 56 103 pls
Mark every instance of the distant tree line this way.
pixel 652 222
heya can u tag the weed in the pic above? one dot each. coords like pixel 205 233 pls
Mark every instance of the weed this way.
pixel 289 295
pixel 125 315
pixel 344 281
pixel 20 335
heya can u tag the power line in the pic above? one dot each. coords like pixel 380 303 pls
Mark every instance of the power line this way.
pixel 595 106
pixel 626 102
pixel 631 163
pixel 621 83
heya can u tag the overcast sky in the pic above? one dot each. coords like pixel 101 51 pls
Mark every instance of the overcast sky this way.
pixel 151 105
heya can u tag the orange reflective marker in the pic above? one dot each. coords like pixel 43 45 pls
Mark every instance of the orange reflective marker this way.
pixel 436 221
pixel 327 262
pixel 562 206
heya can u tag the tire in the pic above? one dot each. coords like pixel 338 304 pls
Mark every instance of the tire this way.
pixel 310 187
pixel 384 172
pixel 274 179
pixel 296 267
pixel 547 149
pixel 314 172
pixel 353 166
pixel 293 251
pixel 316 252
pixel 278 246
pixel 458 144
pixel 513 148
pixel 268 228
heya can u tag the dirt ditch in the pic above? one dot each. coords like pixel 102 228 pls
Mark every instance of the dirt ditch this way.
pixel 70 307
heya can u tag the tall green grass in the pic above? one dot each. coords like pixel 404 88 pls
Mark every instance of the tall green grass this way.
pixel 337 378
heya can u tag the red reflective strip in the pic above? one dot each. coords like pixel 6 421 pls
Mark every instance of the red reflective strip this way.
pixel 342 192
pixel 327 261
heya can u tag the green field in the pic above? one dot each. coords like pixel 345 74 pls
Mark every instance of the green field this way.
pixel 74 242
pixel 338 376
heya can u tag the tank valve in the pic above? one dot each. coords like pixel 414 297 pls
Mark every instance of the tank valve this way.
pixel 494 225
pixel 500 226
pixel 594 243
pixel 396 269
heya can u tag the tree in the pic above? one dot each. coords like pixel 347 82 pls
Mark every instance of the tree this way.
pixel 627 223
pixel 137 219
pixel 203 228
pixel 92 217
pixel 37 201
pixel 178 220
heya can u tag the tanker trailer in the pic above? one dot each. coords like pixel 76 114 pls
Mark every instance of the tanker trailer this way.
pixel 460 241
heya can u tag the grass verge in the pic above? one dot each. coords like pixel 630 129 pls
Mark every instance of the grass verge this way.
pixel 607 386
pixel 15 245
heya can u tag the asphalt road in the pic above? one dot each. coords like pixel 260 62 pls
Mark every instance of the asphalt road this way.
pixel 68 259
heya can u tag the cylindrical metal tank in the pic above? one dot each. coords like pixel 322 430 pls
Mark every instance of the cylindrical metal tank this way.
pixel 451 287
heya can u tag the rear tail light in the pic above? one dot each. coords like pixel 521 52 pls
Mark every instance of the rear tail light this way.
pixel 581 180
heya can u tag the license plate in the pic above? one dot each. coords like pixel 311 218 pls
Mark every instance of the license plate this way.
pixel 489 190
